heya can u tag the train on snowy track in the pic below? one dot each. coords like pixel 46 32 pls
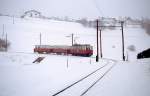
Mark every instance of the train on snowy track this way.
pixel 75 50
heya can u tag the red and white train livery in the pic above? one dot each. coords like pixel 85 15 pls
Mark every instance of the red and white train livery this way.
pixel 75 50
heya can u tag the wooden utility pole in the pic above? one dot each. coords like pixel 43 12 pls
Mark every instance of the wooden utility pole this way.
pixel 123 56
pixel 72 36
pixel 67 61
pixel 40 39
pixel 3 30
pixel 101 43
pixel 6 42
pixel 97 56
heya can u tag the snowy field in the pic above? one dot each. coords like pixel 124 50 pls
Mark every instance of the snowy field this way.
pixel 21 77
pixel 25 33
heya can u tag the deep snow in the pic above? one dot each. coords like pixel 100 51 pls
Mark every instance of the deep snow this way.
pixel 25 33
pixel 20 77
pixel 125 79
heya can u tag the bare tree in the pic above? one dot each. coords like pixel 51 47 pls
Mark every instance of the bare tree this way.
pixel 146 25
pixel 4 44
pixel 131 48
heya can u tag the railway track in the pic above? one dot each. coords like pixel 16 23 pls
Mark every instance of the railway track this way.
pixel 97 81
pixel 82 86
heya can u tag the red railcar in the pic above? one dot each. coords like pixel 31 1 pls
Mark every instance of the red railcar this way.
pixel 76 49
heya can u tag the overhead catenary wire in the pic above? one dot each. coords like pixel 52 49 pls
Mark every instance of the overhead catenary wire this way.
pixel 97 7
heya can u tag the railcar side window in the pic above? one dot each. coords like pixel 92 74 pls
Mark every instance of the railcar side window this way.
pixel 91 47
pixel 87 47
pixel 84 48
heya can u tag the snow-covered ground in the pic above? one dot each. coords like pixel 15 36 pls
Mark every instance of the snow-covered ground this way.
pixel 25 33
pixel 20 77
pixel 125 79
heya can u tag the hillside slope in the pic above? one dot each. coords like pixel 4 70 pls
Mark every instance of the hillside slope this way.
pixel 25 33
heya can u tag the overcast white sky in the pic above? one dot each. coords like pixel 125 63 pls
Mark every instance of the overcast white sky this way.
pixel 78 8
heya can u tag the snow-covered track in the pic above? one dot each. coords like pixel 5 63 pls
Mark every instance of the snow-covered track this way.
pixel 110 64
pixel 97 80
